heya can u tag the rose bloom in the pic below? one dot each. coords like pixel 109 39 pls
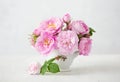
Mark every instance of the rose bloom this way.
pixel 53 25
pixel 67 18
pixel 45 43
pixel 34 68
pixel 67 42
pixel 79 27
pixel 85 46
pixel 37 31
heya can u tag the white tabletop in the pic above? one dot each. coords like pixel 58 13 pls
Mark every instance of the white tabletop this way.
pixel 93 68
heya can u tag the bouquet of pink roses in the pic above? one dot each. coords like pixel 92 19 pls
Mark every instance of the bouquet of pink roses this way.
pixel 64 35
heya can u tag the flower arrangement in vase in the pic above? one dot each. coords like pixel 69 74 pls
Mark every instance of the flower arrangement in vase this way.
pixel 68 37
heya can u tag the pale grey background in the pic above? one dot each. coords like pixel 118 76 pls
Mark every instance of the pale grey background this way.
pixel 18 18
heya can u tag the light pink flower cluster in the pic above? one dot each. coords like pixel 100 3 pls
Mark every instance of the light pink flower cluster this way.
pixel 74 37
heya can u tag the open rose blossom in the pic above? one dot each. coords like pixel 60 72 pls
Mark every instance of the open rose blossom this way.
pixel 45 43
pixel 85 46
pixel 34 68
pixel 67 42
pixel 53 25
pixel 79 27
pixel 67 18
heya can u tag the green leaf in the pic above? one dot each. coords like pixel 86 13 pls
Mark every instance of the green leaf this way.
pixel 91 31
pixel 53 67
pixel 44 68
pixel 50 61
pixel 34 37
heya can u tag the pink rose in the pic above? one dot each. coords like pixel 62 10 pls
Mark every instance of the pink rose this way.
pixel 34 68
pixel 45 43
pixel 37 31
pixel 79 27
pixel 85 46
pixel 67 18
pixel 52 25
pixel 67 42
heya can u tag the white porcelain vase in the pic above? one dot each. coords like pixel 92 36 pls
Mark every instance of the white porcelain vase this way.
pixel 63 65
